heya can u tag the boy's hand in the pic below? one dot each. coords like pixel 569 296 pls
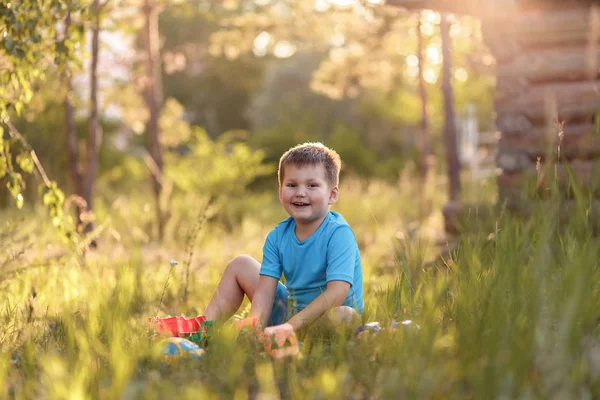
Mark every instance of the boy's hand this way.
pixel 280 341
pixel 283 330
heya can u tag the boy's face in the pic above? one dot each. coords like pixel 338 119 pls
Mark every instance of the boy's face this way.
pixel 305 194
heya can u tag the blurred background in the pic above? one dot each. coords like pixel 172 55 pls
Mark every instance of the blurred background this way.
pixel 152 118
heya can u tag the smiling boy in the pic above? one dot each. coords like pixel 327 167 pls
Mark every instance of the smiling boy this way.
pixel 314 248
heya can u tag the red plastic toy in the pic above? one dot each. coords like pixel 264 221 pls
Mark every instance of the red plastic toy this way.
pixel 177 326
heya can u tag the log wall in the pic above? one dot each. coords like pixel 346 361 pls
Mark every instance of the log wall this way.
pixel 547 101
pixel 547 107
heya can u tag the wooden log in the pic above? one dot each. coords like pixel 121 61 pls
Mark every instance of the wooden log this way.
pixel 513 123
pixel 555 64
pixel 559 27
pixel 564 210
pixel 580 141
pixel 511 86
pixel 499 35
pixel 537 181
pixel 514 161
pixel 508 36
pixel 460 218
pixel 479 8
pixel 565 101
pixel 467 218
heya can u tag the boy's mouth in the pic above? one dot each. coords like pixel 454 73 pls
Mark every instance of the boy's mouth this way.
pixel 300 204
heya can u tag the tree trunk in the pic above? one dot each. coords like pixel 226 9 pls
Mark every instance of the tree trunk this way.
pixel 94 139
pixel 452 161
pixel 153 97
pixel 72 140
pixel 423 139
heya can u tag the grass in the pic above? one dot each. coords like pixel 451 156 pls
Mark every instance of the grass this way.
pixel 509 314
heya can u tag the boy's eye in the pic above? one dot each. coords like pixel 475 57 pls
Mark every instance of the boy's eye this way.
pixel 313 185
pixel 291 185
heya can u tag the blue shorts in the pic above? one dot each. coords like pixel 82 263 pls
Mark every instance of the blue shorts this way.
pixel 279 314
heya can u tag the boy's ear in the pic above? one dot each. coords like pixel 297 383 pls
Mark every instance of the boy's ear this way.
pixel 280 197
pixel 333 196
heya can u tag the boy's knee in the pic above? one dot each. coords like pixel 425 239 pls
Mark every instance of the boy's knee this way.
pixel 240 261
pixel 343 316
pixel 242 264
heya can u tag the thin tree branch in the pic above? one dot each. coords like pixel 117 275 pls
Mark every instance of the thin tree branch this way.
pixel 14 133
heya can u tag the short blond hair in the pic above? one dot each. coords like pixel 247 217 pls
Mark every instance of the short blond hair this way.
pixel 312 154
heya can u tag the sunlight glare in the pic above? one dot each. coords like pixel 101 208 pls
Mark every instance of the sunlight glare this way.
pixel 433 54
pixel 412 60
pixel 455 29
pixel 338 55
pixel 342 3
pixel 427 29
pixel 487 59
pixel 261 43
pixel 430 75
pixel 412 71
pixel 321 5
pixel 284 49
pixel 262 2
pixel 259 52
pixel 375 2
pixel 262 40
pixel 230 4
pixel 338 39
pixel 461 74
pixel 431 16
pixel 232 52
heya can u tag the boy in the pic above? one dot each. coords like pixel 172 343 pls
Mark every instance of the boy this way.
pixel 314 248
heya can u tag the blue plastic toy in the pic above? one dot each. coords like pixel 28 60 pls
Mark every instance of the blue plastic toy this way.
pixel 176 348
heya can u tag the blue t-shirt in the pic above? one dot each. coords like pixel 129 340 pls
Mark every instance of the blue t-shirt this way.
pixel 329 254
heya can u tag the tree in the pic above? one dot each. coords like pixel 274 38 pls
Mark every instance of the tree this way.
pixel 152 93
pixel 424 145
pixel 94 138
pixel 27 42
pixel 452 161
pixel 71 132
pixel 28 47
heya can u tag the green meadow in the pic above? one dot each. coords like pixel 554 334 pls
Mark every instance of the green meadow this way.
pixel 510 312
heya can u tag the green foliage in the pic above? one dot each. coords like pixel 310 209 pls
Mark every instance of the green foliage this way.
pixel 54 200
pixel 215 91
pixel 53 197
pixel 15 183
pixel 221 170
pixel 28 39
pixel 221 167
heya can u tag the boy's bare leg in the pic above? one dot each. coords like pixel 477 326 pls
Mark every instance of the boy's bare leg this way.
pixel 336 320
pixel 337 317
pixel 240 277
pixel 343 316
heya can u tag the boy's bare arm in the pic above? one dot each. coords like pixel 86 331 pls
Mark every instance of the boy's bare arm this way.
pixel 264 296
pixel 333 296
